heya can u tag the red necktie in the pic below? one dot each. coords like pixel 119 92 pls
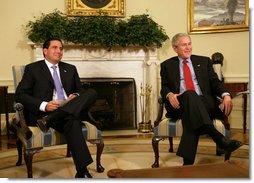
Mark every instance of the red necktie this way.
pixel 187 77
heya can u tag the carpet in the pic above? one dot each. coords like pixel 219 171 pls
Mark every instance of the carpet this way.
pixel 118 153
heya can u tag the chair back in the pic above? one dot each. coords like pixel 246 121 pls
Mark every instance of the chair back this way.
pixel 217 60
pixel 17 71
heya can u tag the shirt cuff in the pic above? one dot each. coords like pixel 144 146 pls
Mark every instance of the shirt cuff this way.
pixel 225 94
pixel 168 95
pixel 77 94
pixel 43 106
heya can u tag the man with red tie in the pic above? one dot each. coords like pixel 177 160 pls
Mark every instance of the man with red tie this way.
pixel 189 88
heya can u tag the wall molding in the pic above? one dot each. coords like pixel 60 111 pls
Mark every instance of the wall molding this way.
pixel 235 78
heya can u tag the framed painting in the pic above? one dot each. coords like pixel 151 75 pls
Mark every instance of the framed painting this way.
pixel 210 16
pixel 114 8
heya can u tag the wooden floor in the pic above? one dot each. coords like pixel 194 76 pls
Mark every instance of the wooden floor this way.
pixel 236 134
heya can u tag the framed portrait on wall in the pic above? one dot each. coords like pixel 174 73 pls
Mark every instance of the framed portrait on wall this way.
pixel 209 16
pixel 114 8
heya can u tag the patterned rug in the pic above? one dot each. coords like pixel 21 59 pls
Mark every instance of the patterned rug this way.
pixel 118 153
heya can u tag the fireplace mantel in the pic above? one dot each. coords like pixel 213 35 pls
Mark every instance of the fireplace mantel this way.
pixel 127 62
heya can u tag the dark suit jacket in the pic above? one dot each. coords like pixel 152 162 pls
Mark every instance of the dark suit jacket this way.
pixel 37 85
pixel 207 79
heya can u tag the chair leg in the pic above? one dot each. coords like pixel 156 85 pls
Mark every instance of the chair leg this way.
pixel 171 149
pixel 100 146
pixel 19 148
pixel 28 156
pixel 155 143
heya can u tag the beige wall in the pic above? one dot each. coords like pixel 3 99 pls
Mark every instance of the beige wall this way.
pixel 171 15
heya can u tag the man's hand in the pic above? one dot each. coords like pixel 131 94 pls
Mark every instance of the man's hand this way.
pixel 172 98
pixel 71 96
pixel 226 105
pixel 52 105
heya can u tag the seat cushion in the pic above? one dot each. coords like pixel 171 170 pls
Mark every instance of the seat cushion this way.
pixel 53 137
pixel 169 127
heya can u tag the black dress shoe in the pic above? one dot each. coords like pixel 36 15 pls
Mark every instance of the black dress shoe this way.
pixel 43 124
pixel 231 146
pixel 85 175
pixel 187 162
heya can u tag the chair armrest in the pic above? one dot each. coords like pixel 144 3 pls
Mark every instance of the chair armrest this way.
pixel 247 92
pixel 22 122
pixel 160 112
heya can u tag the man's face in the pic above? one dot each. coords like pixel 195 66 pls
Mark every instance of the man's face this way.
pixel 184 48
pixel 54 53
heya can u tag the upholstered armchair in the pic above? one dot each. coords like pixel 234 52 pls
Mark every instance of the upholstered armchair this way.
pixel 33 140
pixel 169 128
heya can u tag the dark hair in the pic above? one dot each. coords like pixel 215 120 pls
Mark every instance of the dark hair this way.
pixel 46 44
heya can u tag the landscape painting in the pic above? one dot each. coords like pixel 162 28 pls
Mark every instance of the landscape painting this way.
pixel 208 16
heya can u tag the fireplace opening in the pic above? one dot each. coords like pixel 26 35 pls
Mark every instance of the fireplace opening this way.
pixel 115 106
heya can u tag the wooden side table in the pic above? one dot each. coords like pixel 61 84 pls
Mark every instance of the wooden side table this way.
pixel 228 169
pixel 234 88
pixel 4 93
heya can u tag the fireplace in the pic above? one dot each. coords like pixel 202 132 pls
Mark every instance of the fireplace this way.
pixel 115 107
pixel 135 63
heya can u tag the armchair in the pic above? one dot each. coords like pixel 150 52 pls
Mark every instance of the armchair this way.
pixel 169 128
pixel 33 140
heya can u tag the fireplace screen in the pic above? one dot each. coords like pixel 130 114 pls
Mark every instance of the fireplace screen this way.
pixel 115 107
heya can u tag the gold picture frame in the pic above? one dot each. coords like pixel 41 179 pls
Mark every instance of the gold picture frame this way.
pixel 114 8
pixel 218 16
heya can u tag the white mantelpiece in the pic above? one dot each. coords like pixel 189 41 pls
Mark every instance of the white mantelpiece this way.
pixel 130 62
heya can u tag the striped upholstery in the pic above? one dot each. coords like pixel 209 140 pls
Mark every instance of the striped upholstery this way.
pixel 169 127
pixel 90 132
pixel 17 71
pixel 52 137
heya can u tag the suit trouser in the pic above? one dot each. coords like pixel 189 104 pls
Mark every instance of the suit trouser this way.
pixel 70 125
pixel 195 120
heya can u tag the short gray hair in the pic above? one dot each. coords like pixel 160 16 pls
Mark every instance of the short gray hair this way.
pixel 175 38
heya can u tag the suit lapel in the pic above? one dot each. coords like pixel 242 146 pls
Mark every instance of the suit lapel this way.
pixel 46 72
pixel 176 73
pixel 197 65
pixel 63 74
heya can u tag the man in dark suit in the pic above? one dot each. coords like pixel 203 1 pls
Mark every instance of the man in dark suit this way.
pixel 37 92
pixel 196 105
